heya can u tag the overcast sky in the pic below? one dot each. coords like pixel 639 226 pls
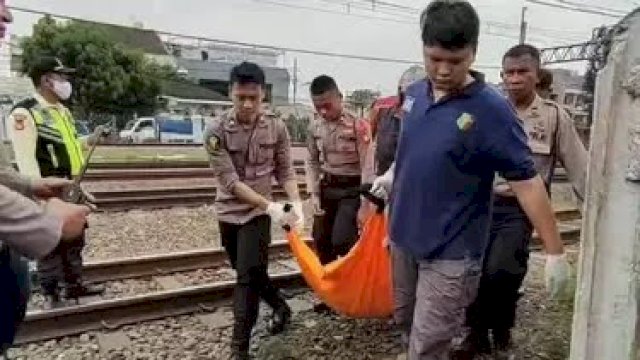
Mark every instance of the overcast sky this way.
pixel 289 23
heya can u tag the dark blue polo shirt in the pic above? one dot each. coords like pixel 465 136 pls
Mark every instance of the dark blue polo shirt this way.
pixel 447 157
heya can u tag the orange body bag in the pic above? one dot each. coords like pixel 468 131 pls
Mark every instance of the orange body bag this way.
pixel 357 285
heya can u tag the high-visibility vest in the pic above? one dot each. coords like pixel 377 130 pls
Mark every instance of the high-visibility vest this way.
pixel 58 150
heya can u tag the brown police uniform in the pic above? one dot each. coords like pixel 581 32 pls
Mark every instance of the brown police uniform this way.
pixel 336 167
pixel 253 154
pixel 552 137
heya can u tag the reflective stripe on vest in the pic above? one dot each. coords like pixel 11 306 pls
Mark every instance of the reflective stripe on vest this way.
pixel 55 126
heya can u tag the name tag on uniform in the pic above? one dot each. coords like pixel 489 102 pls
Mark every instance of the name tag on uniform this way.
pixel 407 105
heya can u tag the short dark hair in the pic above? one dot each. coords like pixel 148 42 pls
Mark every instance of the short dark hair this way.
pixel 545 77
pixel 450 24
pixel 247 73
pixel 523 50
pixel 322 84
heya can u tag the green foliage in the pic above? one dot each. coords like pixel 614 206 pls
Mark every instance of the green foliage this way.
pixel 362 98
pixel 297 127
pixel 109 78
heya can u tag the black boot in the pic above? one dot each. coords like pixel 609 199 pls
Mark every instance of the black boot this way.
pixel 470 345
pixel 53 301
pixel 75 291
pixel 503 345
pixel 280 319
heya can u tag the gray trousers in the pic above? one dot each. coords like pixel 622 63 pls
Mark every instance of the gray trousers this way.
pixel 431 298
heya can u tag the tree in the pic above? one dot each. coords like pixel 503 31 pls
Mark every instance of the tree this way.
pixel 362 98
pixel 109 78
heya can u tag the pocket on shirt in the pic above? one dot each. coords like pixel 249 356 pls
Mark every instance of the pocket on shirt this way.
pixel 266 150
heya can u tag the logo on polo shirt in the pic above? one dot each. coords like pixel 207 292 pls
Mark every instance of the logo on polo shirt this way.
pixel 465 121
pixel 408 104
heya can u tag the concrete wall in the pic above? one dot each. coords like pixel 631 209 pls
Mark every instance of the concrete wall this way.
pixel 278 78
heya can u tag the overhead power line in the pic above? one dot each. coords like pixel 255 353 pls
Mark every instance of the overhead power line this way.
pixel 254 45
pixel 577 9
pixel 413 21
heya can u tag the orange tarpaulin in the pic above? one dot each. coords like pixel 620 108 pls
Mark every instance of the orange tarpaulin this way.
pixel 357 285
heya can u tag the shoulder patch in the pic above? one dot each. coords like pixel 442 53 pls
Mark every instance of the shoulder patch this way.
pixel 408 104
pixel 19 121
pixel 212 144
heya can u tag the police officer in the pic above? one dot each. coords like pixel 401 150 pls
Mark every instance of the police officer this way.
pixel 45 143
pixel 247 147
pixel 338 143
pixel 551 137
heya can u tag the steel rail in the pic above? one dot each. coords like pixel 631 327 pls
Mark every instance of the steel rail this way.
pixel 111 314
pixel 163 264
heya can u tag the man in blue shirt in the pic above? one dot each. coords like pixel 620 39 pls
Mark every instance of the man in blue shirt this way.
pixel 457 133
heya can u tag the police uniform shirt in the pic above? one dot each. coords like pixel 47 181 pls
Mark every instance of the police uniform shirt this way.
pixel 25 227
pixel 23 133
pixel 551 136
pixel 339 147
pixel 252 153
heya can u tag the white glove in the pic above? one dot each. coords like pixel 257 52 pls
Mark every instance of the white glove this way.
pixel 556 275
pixel 299 213
pixel 381 186
pixel 276 212
pixel 280 217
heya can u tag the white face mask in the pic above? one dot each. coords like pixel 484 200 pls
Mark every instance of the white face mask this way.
pixel 62 88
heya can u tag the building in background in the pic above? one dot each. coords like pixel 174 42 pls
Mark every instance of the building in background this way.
pixel 209 64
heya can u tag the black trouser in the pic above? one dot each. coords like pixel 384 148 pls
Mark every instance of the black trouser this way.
pixel 336 231
pixel 63 263
pixel 14 295
pixel 247 246
pixel 504 269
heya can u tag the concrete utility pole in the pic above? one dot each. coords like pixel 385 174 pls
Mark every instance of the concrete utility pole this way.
pixel 606 322
pixel 523 26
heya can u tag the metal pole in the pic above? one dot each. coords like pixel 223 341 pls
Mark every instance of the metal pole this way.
pixel 523 26
pixel 295 79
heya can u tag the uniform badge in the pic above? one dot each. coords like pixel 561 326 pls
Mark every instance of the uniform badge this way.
pixel 465 121
pixel 213 144
pixel 19 121
pixel 407 105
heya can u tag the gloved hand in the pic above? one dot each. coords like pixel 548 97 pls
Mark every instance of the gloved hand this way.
pixel 279 216
pixel 299 213
pixel 381 186
pixel 556 275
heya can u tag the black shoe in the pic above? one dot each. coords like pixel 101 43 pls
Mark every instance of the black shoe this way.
pixel 322 308
pixel 471 345
pixel 280 319
pixel 80 290
pixel 53 301
pixel 502 339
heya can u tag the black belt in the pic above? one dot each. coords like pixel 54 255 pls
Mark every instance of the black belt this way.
pixel 341 180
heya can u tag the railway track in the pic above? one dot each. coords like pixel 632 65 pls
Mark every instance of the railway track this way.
pixel 164 197
pixel 110 314
pixel 186 170
pixel 160 173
